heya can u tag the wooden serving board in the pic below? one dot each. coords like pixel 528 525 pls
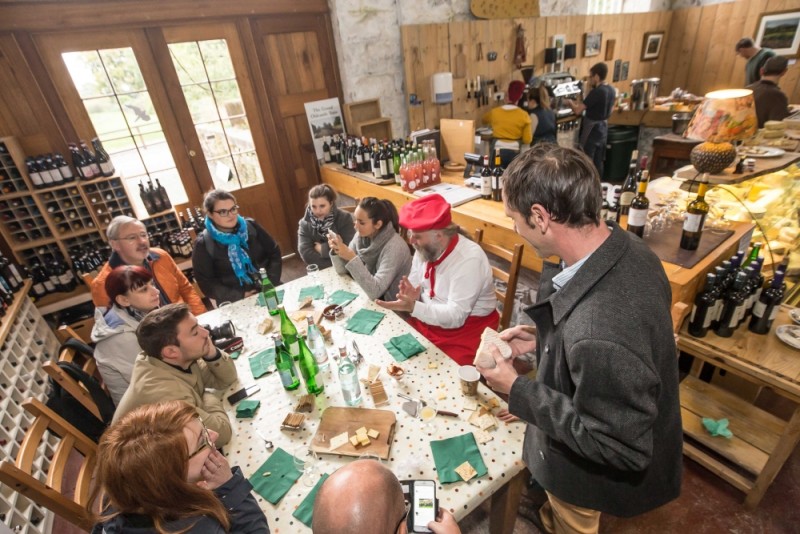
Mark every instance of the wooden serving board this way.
pixel 336 420
pixel 504 9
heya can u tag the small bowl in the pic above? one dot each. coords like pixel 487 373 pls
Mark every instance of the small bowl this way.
pixel 330 311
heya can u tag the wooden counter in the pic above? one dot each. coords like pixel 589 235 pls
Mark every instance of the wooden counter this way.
pixel 499 229
pixel 655 119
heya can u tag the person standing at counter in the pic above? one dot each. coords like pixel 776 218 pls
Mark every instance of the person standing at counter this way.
pixel 771 103
pixel 511 125
pixel 604 425
pixel 322 216
pixel 449 291
pixel 543 118
pixel 755 56
pixel 596 108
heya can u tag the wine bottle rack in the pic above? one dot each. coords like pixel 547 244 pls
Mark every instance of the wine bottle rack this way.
pixel 11 178
pixel 67 210
pixel 167 222
pixel 24 222
pixel 27 341
pixel 92 241
pixel 107 198
pixel 38 254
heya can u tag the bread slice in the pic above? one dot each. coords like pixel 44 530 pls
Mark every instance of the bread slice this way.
pixel 484 358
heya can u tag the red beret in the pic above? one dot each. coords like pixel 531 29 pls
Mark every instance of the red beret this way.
pixel 431 212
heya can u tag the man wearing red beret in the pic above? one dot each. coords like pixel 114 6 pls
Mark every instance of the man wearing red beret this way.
pixel 449 291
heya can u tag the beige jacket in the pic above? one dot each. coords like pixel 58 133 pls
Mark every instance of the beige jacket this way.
pixel 155 381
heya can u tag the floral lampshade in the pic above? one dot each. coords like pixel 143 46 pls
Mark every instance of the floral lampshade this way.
pixel 724 116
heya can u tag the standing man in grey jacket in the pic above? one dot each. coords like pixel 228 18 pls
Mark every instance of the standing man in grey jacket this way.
pixel 604 428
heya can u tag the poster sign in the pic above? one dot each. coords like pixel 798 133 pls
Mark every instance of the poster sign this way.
pixel 324 120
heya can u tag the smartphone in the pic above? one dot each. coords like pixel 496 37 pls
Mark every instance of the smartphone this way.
pixel 243 393
pixel 424 505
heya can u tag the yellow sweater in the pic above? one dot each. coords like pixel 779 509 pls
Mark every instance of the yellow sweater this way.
pixel 510 123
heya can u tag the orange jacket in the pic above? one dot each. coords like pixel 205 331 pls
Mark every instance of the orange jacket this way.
pixel 173 283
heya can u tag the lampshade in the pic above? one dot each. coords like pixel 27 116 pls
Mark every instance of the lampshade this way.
pixel 727 115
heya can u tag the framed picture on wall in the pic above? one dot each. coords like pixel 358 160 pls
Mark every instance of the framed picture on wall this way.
pixel 651 47
pixel 780 32
pixel 559 42
pixel 592 41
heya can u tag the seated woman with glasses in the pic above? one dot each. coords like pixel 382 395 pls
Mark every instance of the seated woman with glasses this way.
pixel 158 471
pixel 377 257
pixel 230 251
pixel 132 293
pixel 322 216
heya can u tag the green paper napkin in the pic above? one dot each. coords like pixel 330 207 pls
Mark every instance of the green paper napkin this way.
pixel 247 408
pixel 342 297
pixel 304 511
pixel 235 354
pixel 403 347
pixel 452 452
pixel 365 321
pixel 717 428
pixel 260 363
pixel 315 292
pixel 283 474
pixel 260 298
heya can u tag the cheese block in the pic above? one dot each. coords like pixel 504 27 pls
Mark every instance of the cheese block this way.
pixel 465 471
pixel 774 125
pixel 484 357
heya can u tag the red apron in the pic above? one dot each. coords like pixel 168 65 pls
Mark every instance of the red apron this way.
pixel 460 343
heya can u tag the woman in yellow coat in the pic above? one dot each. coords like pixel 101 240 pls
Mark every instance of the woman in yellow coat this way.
pixel 511 125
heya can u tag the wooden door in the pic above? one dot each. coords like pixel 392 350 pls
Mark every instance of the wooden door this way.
pixel 297 58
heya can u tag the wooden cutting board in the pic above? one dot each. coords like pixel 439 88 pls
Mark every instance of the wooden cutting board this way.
pixel 336 420
pixel 504 9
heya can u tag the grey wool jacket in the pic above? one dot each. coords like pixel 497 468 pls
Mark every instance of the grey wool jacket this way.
pixel 604 424
pixel 307 237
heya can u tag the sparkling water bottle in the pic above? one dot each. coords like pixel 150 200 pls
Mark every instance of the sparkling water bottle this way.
pixel 316 343
pixel 348 378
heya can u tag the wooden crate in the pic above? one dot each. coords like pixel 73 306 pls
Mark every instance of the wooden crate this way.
pixel 362 111
pixel 380 128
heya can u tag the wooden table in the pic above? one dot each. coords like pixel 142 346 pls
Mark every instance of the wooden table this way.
pixel 410 455
pixel 499 229
pixel 761 442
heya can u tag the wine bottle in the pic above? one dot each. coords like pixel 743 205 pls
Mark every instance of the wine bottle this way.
pixel 628 186
pixel 309 369
pixel 158 203
pixel 268 292
pixel 44 172
pixel 637 214
pixel 33 173
pixel 497 177
pixel 63 168
pixel 348 379
pixel 486 180
pixel 734 305
pixel 103 159
pixel 285 365
pixel 768 305
pixel 162 194
pixel 89 157
pixel 703 309
pixel 326 150
pixel 83 167
pixel 289 334
pixel 696 213
pixel 754 252
pixel 316 342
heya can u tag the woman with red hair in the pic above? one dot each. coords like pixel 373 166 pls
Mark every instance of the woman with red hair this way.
pixel 159 472
pixel 511 125
pixel 132 294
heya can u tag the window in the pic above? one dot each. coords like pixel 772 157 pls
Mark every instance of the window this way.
pixel 112 89
pixel 604 7
pixel 206 75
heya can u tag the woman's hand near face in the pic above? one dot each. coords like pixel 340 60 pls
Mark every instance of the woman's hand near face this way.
pixel 318 247
pixel 216 471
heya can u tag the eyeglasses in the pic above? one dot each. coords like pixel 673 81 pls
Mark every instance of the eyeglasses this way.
pixel 224 213
pixel 403 518
pixel 206 440
pixel 133 237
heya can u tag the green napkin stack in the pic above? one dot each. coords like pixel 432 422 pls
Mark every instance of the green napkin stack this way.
pixel 403 347
pixel 365 321
pixel 315 292
pixel 260 298
pixel 342 297
pixel 247 408
pixel 260 363
pixel 717 428
pixel 449 453
pixel 282 474
pixel 306 508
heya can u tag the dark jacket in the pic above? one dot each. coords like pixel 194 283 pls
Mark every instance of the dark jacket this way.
pixel 545 126
pixel 604 416
pixel 307 236
pixel 246 516
pixel 771 103
pixel 214 273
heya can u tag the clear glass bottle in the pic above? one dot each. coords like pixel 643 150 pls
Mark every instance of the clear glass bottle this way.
pixel 348 379
pixel 316 342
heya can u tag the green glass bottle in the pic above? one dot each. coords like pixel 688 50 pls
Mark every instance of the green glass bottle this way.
pixel 285 365
pixel 289 334
pixel 268 292
pixel 310 370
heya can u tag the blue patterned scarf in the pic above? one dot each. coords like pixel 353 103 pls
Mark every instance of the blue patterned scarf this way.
pixel 237 245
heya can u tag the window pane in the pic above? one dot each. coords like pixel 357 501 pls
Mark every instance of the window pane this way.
pixel 139 112
pixel 215 103
pixel 88 73
pixel 108 120
pixel 123 70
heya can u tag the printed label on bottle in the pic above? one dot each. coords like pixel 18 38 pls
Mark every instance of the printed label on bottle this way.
pixel 48 285
pixel 759 308
pixel 65 279
pixel 39 289
pixel 107 168
pixel 693 222
pixel 774 313
pixel 287 379
pixel 384 168
pixel 327 157
pixel 626 198
pixel 294 348
pixel 637 217
pixel 272 303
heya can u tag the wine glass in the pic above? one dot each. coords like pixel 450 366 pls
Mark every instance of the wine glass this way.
pixel 427 413
pixel 305 460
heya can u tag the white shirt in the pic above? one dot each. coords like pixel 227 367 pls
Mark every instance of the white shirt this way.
pixel 463 287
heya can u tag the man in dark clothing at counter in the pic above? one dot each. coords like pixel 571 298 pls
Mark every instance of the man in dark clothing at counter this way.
pixel 597 107
pixel 771 103
pixel 755 56
pixel 604 425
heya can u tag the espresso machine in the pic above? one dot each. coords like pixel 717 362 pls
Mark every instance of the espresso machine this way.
pixel 560 86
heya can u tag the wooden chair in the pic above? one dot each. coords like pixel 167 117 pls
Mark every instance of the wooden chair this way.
pixel 510 277
pixel 77 390
pixel 349 209
pixel 23 475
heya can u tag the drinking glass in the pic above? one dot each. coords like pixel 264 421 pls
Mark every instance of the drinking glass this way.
pixel 311 270
pixel 224 310
pixel 428 413
pixel 305 460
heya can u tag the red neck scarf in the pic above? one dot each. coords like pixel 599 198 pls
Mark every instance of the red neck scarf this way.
pixel 430 267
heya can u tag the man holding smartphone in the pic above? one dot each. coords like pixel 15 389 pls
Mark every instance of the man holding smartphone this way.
pixel 365 496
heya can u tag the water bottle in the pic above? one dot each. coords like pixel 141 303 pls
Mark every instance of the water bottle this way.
pixel 348 378
pixel 316 343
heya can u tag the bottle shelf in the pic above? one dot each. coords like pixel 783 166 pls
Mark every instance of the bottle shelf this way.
pixel 12 180
pixel 33 244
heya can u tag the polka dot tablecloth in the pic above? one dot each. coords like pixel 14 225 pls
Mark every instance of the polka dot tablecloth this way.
pixel 410 454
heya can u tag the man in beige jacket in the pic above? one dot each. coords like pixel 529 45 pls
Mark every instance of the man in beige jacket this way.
pixel 179 362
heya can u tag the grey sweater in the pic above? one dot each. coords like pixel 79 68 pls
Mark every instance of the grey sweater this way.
pixel 307 237
pixel 379 264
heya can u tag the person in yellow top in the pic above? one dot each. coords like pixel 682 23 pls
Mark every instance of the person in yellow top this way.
pixel 511 125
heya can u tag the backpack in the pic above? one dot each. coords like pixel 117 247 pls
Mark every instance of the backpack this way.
pixel 60 401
